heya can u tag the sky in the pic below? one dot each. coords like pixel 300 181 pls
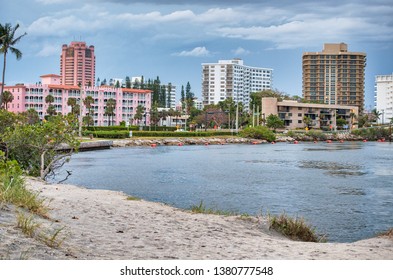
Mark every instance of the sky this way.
pixel 172 38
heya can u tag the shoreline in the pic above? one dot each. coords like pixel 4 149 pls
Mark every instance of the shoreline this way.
pixel 103 224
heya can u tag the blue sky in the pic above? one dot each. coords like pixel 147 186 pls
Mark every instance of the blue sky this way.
pixel 171 38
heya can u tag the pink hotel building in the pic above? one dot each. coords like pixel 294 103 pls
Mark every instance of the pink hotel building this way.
pixel 33 96
pixel 77 67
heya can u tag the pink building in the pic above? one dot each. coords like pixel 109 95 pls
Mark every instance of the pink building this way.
pixel 33 96
pixel 77 64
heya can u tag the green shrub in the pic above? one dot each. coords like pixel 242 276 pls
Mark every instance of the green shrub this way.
pixel 372 133
pixel 258 132
pixel 179 133
pixel 316 135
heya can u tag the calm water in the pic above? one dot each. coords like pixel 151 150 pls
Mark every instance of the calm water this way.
pixel 344 189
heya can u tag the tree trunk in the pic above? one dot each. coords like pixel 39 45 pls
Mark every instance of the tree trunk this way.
pixel 2 81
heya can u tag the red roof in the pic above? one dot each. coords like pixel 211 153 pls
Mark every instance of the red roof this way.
pixel 50 75
pixel 134 90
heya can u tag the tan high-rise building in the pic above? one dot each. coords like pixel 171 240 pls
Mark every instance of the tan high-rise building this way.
pixel 77 64
pixel 334 76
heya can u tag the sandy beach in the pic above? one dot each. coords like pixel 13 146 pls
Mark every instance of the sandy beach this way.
pixel 101 224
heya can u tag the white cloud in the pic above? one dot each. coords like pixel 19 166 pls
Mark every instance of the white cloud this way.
pixel 49 50
pixel 240 51
pixel 197 52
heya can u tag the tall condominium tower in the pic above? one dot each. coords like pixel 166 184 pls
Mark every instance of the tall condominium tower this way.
pixel 77 64
pixel 384 97
pixel 231 78
pixel 334 76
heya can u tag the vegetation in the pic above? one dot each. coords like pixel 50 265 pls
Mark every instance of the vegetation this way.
pixel 12 188
pixel 372 133
pixel 274 122
pixel 201 209
pixel 258 132
pixel 39 148
pixel 8 40
pixel 294 228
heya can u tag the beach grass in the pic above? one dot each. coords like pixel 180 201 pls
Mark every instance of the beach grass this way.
pixel 27 224
pixel 13 191
pixel 294 228
pixel 201 209
pixel 133 198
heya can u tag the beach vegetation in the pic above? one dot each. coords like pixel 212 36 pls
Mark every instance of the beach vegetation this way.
pixel 13 190
pixel 39 148
pixel 294 228
pixel 388 233
pixel 258 132
pixel 133 198
pixel 202 209
pixel 53 237
pixel 27 224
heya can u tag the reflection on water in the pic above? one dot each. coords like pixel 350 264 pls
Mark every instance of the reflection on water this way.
pixel 343 189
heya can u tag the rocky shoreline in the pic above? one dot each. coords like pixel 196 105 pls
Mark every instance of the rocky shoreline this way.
pixel 231 140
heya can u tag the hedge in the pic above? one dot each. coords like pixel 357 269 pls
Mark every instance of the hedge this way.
pixel 125 134
pixel 107 134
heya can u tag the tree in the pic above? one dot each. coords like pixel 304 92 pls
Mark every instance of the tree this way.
pixel 189 101
pixel 274 122
pixel 72 102
pixel 39 148
pixel 376 114
pixel 307 121
pixel 169 93
pixel 7 98
pixel 31 116
pixel 182 97
pixel 340 122
pixel 117 85
pixel 128 82
pixel 51 110
pixel 110 109
pixel 139 113
pixel 353 116
pixel 88 102
pixel 7 43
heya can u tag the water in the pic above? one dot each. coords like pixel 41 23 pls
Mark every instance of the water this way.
pixel 345 190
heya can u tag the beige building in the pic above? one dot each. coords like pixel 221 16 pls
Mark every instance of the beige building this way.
pixel 77 64
pixel 334 76
pixel 323 116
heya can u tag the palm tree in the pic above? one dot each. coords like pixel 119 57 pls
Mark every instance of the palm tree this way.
pixel 7 42
pixel 89 101
pixel 110 109
pixel 7 98
pixel 353 116
pixel 376 114
pixel 51 109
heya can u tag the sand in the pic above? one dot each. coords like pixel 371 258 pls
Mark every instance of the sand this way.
pixel 102 225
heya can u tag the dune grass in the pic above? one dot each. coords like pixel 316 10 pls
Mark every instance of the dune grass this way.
pixel 201 209
pixel 294 228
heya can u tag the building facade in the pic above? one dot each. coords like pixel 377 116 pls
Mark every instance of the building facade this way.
pixel 233 79
pixel 323 116
pixel 33 96
pixel 383 101
pixel 334 76
pixel 77 64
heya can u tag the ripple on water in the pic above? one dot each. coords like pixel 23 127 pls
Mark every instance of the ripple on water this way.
pixel 334 168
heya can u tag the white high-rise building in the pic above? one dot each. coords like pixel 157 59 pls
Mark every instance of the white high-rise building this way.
pixel 384 97
pixel 231 78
